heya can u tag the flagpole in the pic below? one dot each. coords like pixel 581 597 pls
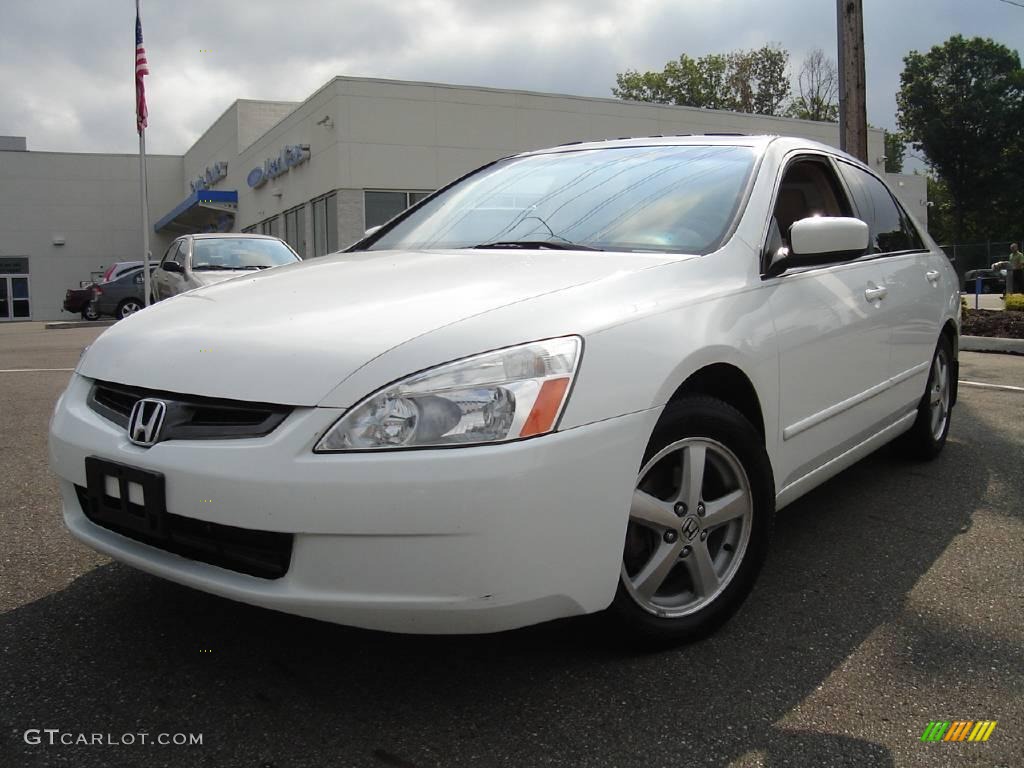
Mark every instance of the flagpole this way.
pixel 140 115
pixel 145 216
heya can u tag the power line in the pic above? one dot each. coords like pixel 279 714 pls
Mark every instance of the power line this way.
pixel 1012 2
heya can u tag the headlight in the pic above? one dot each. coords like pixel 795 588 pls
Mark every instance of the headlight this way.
pixel 503 395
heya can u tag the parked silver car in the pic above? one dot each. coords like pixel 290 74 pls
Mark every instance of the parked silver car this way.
pixel 193 261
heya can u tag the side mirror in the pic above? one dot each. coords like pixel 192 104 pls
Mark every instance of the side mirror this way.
pixel 371 230
pixel 171 266
pixel 821 240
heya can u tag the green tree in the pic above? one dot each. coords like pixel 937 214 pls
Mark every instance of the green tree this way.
pixel 755 81
pixel 895 149
pixel 962 104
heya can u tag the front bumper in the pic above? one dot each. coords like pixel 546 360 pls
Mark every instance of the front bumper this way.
pixel 434 541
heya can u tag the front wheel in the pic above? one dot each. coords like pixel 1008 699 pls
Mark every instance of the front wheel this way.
pixel 90 313
pixel 699 523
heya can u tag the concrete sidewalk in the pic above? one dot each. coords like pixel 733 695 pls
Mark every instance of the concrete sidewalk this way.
pixel 985 301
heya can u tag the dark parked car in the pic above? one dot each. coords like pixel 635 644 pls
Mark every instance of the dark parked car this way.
pixel 119 268
pixel 121 297
pixel 79 301
pixel 993 279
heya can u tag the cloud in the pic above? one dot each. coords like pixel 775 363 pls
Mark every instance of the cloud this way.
pixel 66 67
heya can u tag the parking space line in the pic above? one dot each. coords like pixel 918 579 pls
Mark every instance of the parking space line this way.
pixel 983 385
pixel 32 370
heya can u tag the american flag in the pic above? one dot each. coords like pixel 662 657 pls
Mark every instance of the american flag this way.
pixel 141 69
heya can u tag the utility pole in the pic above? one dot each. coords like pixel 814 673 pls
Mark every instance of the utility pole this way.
pixel 853 115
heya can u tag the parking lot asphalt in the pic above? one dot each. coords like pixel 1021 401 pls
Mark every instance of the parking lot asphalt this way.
pixel 893 597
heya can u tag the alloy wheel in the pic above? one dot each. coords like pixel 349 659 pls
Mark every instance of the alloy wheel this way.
pixel 689 526
pixel 938 393
pixel 130 308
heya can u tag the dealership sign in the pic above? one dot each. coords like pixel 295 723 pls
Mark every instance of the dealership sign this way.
pixel 210 176
pixel 289 157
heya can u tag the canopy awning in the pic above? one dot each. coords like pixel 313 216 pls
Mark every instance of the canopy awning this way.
pixel 205 210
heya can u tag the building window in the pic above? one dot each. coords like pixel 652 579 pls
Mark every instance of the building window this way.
pixel 272 226
pixel 381 207
pixel 295 229
pixel 325 224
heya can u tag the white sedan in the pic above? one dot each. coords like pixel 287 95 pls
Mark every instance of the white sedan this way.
pixel 577 379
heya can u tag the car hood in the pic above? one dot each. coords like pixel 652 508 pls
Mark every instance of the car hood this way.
pixel 212 277
pixel 292 334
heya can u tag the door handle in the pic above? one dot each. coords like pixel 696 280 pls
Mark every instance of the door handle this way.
pixel 871 294
pixel 932 275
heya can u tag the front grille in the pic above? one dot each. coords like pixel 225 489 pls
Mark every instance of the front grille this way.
pixel 265 554
pixel 190 417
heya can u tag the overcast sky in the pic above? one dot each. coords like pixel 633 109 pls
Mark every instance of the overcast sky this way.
pixel 66 66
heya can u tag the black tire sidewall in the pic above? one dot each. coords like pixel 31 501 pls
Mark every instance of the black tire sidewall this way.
pixel 709 418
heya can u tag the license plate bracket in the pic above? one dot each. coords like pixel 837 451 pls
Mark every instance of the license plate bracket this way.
pixel 148 518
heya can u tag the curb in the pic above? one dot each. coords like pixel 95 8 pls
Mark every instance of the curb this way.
pixel 991 344
pixel 63 325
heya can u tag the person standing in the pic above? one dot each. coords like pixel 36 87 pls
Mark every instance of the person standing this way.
pixel 1015 273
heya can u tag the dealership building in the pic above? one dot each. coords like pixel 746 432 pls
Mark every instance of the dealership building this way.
pixel 316 173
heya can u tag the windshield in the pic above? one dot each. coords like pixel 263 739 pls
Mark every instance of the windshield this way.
pixel 239 253
pixel 663 198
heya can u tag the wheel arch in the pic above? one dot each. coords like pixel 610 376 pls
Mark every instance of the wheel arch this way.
pixel 728 383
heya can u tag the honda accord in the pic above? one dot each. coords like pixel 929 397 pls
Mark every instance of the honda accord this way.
pixel 574 380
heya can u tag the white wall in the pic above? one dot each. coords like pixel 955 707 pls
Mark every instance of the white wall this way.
pixel 92 201
pixel 912 191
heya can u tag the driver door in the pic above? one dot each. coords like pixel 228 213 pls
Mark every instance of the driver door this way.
pixel 167 283
pixel 833 328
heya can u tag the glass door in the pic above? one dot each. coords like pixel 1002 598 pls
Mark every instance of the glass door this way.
pixel 14 299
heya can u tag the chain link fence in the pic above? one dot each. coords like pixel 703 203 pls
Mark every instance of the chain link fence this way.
pixel 967 256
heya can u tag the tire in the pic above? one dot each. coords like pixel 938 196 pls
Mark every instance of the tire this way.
pixel 926 438
pixel 128 307
pixel 688 601
pixel 90 313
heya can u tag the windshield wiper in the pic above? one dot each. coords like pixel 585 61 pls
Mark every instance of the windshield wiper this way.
pixel 554 245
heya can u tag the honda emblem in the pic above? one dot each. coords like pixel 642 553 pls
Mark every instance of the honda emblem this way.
pixel 145 421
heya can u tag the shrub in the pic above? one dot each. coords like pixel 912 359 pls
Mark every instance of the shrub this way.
pixel 1015 301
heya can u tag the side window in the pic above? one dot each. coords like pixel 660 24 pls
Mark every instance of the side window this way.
pixel 181 252
pixel 809 188
pixel 891 230
pixel 169 253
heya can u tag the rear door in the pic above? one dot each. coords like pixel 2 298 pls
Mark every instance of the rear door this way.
pixel 832 324
pixel 914 285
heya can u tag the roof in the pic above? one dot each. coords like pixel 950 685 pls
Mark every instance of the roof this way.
pixel 233 235
pixel 758 142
